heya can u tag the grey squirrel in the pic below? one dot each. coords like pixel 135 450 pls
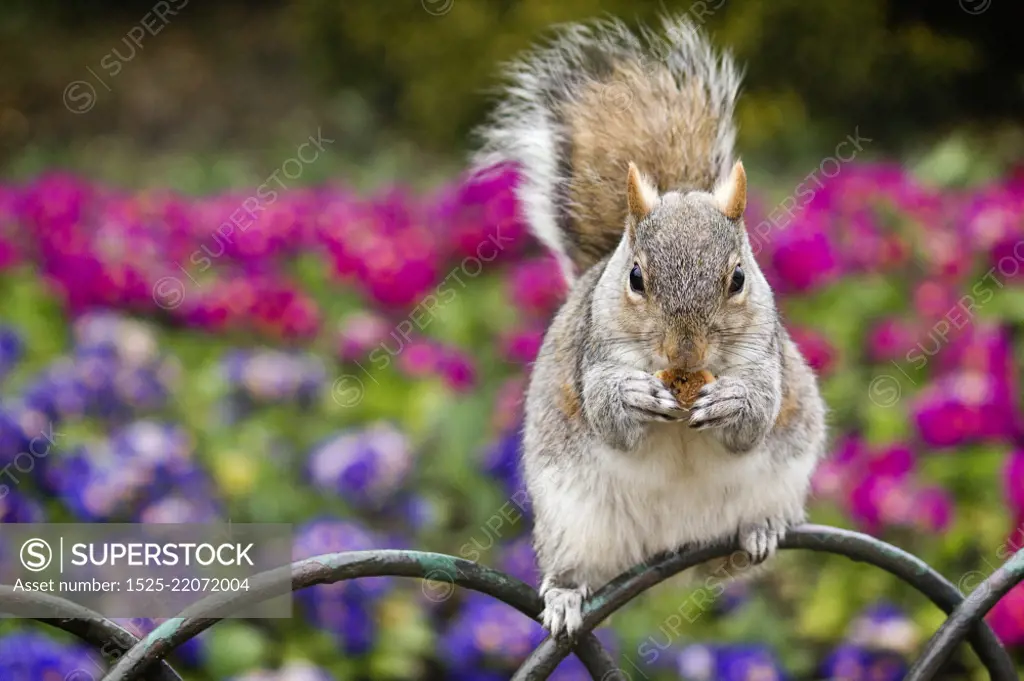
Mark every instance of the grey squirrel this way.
pixel 625 145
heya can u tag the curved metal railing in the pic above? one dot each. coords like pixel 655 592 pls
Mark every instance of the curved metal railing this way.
pixel 144 660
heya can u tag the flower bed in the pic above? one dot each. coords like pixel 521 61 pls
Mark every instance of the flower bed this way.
pixel 355 366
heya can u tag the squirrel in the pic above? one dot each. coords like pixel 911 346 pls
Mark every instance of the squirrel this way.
pixel 624 145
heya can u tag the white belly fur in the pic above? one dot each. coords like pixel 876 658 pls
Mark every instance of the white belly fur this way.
pixel 682 487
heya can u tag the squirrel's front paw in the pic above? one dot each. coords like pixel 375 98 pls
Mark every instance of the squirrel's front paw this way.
pixel 720 403
pixel 650 399
pixel 563 611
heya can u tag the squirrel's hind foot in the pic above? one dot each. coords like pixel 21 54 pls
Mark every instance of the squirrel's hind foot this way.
pixel 762 540
pixel 563 610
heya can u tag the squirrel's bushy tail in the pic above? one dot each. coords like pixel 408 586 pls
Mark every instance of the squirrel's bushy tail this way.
pixel 577 110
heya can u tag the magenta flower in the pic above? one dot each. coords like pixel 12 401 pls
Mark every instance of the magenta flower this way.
pixel 1007 617
pixel 891 339
pixel 522 347
pixel 803 259
pixel 536 287
pixel 816 349
pixel 933 509
pixel 1013 481
pixel 962 407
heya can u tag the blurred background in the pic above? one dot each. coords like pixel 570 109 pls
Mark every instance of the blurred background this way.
pixel 352 359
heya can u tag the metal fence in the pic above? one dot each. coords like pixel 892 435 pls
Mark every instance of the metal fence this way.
pixel 143 660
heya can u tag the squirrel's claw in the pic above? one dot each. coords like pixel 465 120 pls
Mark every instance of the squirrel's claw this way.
pixel 650 398
pixel 761 541
pixel 563 611
pixel 719 403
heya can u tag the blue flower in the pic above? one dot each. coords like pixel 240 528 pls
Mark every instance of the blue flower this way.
pixel 134 342
pixel 850 662
pixel 747 663
pixel 350 621
pixel 518 559
pixel 697 662
pixel 488 636
pixel 18 508
pixel 29 656
pixel 846 663
pixel 413 513
pixel 178 508
pixel 734 596
pixel 883 626
pixel 268 376
pixel 326 535
pixel 20 424
pixel 365 467
pixel 11 350
pixel 140 464
pixel 487 633
pixel 502 461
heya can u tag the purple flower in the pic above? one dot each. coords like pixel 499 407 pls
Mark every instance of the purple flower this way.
pixel 140 464
pixel 177 508
pixel 29 656
pixel 344 608
pixel 272 376
pixel 501 460
pixel 745 662
pixel 365 467
pixel 848 662
pixel 518 559
pixel 488 634
pixel 15 507
pixel 963 407
pixel 11 350
pixel 133 342
pixel 325 536
pixel 892 339
pixel 883 626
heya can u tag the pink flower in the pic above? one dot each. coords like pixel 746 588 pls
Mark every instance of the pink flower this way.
pixel 522 346
pixel 1013 481
pixel 891 339
pixel 420 359
pixel 816 349
pixel 934 299
pixel 457 370
pixel 803 259
pixel 933 509
pixel 1007 617
pixel 536 286
pixel 359 333
pixel 963 407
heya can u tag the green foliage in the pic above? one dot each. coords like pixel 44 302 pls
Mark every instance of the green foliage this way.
pixel 833 64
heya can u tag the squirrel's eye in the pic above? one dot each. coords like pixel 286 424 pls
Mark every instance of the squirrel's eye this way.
pixel 736 285
pixel 636 279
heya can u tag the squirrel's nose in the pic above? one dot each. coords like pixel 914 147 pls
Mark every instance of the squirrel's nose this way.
pixel 687 353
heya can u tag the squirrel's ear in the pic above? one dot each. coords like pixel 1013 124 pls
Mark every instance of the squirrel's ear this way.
pixel 640 195
pixel 731 195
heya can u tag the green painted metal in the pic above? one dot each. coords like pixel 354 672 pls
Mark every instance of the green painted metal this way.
pixel 144 660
